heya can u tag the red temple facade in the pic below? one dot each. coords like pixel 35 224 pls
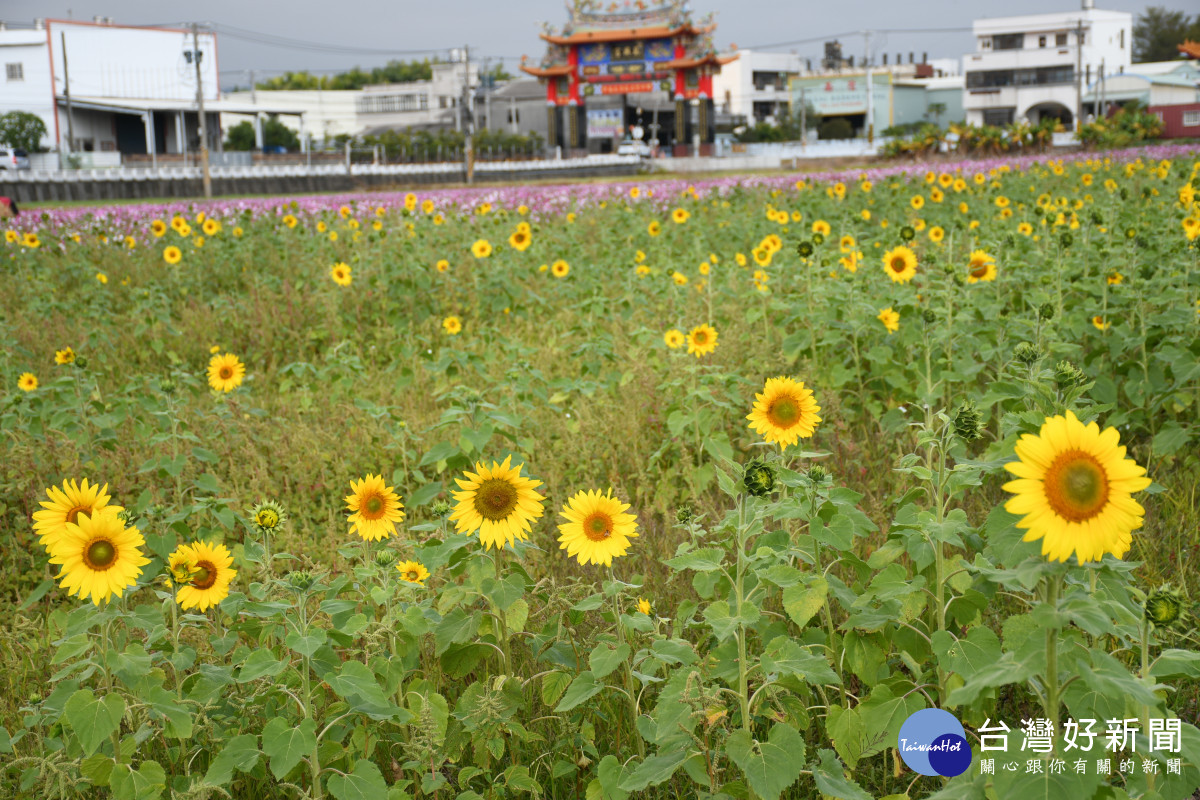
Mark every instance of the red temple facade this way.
pixel 629 50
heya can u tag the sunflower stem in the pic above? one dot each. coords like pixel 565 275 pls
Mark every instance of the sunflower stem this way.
pixel 743 679
pixel 1053 587
pixel 500 621
pixel 105 643
pixel 1144 674
pixel 635 712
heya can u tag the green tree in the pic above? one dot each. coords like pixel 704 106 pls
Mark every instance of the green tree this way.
pixel 275 134
pixel 22 130
pixel 1158 31
pixel 356 78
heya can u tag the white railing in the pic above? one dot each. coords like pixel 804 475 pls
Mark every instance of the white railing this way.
pixel 303 170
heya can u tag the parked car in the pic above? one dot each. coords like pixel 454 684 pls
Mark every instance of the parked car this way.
pixel 13 159
pixel 633 147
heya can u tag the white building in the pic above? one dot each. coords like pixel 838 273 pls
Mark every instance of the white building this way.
pixel 340 112
pixel 755 85
pixel 1037 66
pixel 105 88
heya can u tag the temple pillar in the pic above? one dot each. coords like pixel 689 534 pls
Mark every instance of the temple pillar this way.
pixel 576 128
pixel 683 127
pixel 553 139
pixel 707 125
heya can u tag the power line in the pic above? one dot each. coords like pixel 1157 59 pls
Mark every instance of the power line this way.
pixel 273 40
pixel 828 37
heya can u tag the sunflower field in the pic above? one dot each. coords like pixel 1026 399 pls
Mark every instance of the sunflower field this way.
pixel 621 490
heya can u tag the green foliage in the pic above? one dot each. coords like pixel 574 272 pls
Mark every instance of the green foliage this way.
pixel 392 72
pixel 787 127
pixel 275 134
pixel 1129 125
pixel 22 130
pixel 1158 31
pixel 835 128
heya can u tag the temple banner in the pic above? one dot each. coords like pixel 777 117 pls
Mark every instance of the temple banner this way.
pixel 627 88
pixel 605 123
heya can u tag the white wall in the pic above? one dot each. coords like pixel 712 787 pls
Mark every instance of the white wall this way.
pixel 327 113
pixel 33 93
pixel 131 63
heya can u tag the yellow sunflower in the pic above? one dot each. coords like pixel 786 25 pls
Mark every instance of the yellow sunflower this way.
pixel 597 528
pixel 27 382
pixel 452 325
pixel 443 265
pixel 340 272
pixel 64 506
pixel 210 571
pixel 172 255
pixel 64 356
pixel 917 202
pixel 481 249
pixel 520 240
pixel 654 228
pixel 413 572
pixel 100 557
pixel 1073 486
pixel 31 240
pixel 1025 229
pixel 158 228
pixel 900 263
pixel 936 234
pixel 560 268
pixel 290 221
pixel 982 267
pixel 225 372
pixel 890 319
pixel 497 502
pixel 211 227
pixel 376 508
pixel 821 227
pixel 1100 323
pixel 1115 278
pixel 680 216
pixel 702 340
pixel 643 605
pixel 784 412
pixel 674 339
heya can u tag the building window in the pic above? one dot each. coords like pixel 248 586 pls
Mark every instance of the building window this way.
pixel 1032 76
pixel 1041 41
pixel 998 117
pixel 1060 39
pixel 1008 41
pixel 514 117
pixel 15 72
pixel 1191 119
pixel 1122 38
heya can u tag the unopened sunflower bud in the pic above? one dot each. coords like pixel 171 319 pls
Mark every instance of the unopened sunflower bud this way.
pixel 384 557
pixel 805 249
pixel 759 478
pixel 1067 375
pixel 1165 607
pixel 167 386
pixel 1027 353
pixel 968 423
pixel 818 238
pixel 268 517
pixel 817 473
pixel 1066 239
pixel 1046 311
pixel 929 315
pixel 301 580
pixel 440 508
pixel 908 233
pixel 81 362
pixel 684 514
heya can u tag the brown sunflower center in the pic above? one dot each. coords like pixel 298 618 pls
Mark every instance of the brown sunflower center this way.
pixel 100 554
pixel 373 507
pixel 784 412
pixel 226 373
pixel 74 513
pixel 898 264
pixel 1076 486
pixel 979 269
pixel 700 338
pixel 519 238
pixel 598 527
pixel 205 575
pixel 495 499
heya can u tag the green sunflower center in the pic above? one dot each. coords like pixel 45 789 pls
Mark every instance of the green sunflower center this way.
pixel 598 527
pixel 205 575
pixel 267 518
pixel 784 412
pixel 1076 486
pixel 100 554
pixel 412 576
pixel 496 499
pixel 372 508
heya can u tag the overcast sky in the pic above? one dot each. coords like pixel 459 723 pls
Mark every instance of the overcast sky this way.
pixel 367 33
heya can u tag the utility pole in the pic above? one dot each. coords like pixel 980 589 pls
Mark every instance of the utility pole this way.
pixel 1078 75
pixel 1100 108
pixel 803 117
pixel 67 94
pixel 200 101
pixel 468 123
